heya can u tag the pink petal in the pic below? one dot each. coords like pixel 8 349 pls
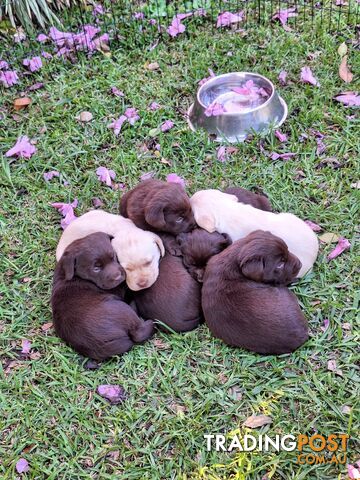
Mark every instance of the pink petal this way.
pixel 118 93
pixel 353 473
pixel 3 65
pixel 308 77
pixel 139 16
pixel 132 115
pixel 314 226
pixel 282 77
pixel 36 86
pixel 50 175
pixel 34 64
pixel 22 148
pixel 223 153
pixel 117 124
pixel 25 346
pixel 42 38
pixel 282 137
pixel 67 211
pixel 284 15
pixel 113 393
pixel 281 156
pixel 22 466
pixel 9 78
pixel 98 10
pixel 167 125
pixel 342 245
pixel 173 178
pixel 105 175
pixel 225 19
pixel 326 325
pixel 214 109
pixel 206 79
pixel 154 106
pixel 176 27
pixel 350 99
pixel 46 55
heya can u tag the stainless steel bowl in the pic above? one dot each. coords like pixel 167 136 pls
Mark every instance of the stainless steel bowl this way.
pixel 235 126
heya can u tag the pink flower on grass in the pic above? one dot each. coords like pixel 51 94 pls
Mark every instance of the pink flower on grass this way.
pixel 113 393
pixel 9 78
pixel 50 175
pixel 25 346
pixel 139 16
pixel 325 325
pixel 118 93
pixel 173 178
pixel 226 19
pixel 105 175
pixel 342 245
pixel 206 79
pixel 34 64
pixel 349 99
pixel 132 115
pixel 176 27
pixel 154 106
pixel 214 109
pixel 314 226
pixel 3 65
pixel 308 77
pixel 353 473
pixel 22 148
pixel 42 38
pixel 282 137
pixel 116 125
pixel 167 125
pixel 22 466
pixel 46 55
pixel 282 156
pixel 67 211
pixel 284 15
pixel 98 10
pixel 282 77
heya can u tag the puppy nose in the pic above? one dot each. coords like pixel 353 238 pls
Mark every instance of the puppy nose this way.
pixel 141 283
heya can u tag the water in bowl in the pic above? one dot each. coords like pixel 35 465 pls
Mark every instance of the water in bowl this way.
pixel 244 98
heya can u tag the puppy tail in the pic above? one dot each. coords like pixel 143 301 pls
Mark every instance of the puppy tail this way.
pixel 142 331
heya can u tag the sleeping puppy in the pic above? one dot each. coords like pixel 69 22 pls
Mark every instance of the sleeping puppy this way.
pixel 198 246
pixel 250 198
pixel 158 206
pixel 138 251
pixel 244 298
pixel 175 297
pixel 88 311
pixel 221 212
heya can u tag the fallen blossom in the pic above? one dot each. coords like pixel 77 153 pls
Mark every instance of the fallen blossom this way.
pixel 154 106
pixel 176 27
pixel 147 176
pixel 132 115
pixel 42 38
pixel 36 86
pixel 105 175
pixel 214 109
pixel 308 77
pixel 22 148
pixel 250 90
pixel 139 16
pixel 282 77
pixel 225 19
pixel 97 203
pixel 25 346
pixel 98 10
pixel 46 55
pixel 284 15
pixel 50 175
pixel 206 79
pixel 167 125
pixel 200 12
pixel 118 93
pixel 353 473
pixel 3 65
pixel 282 137
pixel 314 226
pixel 223 153
pixel 342 245
pixel 350 99
pixel 68 42
pixel 20 35
pixel 116 125
pixel 173 178
pixel 9 78
pixel 34 64
pixel 113 393
pixel 67 211
pixel 22 466
pixel 326 325
pixel 341 3
pixel 281 156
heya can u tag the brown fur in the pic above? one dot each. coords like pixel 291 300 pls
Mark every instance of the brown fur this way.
pixel 87 306
pixel 158 206
pixel 245 300
pixel 256 200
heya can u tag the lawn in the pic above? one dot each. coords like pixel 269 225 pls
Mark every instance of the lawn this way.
pixel 179 386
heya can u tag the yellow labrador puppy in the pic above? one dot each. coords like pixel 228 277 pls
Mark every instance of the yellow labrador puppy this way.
pixel 138 251
pixel 221 212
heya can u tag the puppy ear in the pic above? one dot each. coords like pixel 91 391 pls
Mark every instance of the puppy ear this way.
pixel 154 215
pixel 206 221
pixel 253 268
pixel 68 263
pixel 227 240
pixel 160 244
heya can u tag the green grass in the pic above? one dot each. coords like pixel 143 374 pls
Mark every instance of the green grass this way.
pixel 180 388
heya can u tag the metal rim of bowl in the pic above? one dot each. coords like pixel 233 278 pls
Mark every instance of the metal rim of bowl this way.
pixel 277 125
pixel 212 80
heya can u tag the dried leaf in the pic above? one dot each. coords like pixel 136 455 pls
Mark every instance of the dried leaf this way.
pixel 329 237
pixel 235 393
pixel 85 117
pixel 153 66
pixel 356 184
pixel 332 367
pixel 160 344
pixel 46 326
pixel 344 70
pixel 342 50
pixel 256 421
pixel 97 203
pixel 20 103
pixel 346 326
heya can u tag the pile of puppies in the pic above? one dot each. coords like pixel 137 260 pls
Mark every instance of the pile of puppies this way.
pixel 224 257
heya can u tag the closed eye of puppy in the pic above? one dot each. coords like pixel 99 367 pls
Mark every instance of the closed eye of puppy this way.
pixel 245 300
pixel 158 206
pixel 256 200
pixel 88 311
pixel 138 251
pixel 198 246
pixel 221 212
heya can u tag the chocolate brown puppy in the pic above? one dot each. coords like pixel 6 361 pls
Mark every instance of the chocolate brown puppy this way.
pixel 158 206
pixel 250 198
pixel 175 297
pixel 245 300
pixel 198 246
pixel 88 311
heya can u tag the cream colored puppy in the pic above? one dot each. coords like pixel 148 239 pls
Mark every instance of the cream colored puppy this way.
pixel 138 251
pixel 221 212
